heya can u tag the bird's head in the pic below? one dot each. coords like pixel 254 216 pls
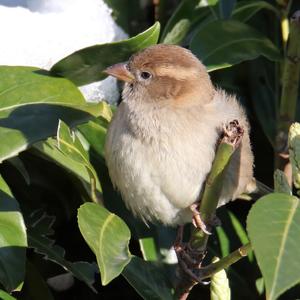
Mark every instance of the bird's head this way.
pixel 164 73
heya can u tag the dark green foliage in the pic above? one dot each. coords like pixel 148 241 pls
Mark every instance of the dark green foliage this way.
pixel 53 166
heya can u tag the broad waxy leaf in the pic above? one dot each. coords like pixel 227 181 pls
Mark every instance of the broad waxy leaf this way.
pixel 108 237
pixel 274 230
pixel 219 286
pixel 245 10
pixel 48 150
pixel 294 151
pixel 40 227
pixel 148 279
pixel 236 42
pixel 31 103
pixel 70 145
pixel 86 65
pixel 13 240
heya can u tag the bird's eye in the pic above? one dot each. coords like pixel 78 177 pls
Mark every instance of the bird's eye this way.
pixel 145 75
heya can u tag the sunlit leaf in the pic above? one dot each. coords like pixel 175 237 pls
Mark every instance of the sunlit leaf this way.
pixel 31 103
pixel 274 231
pixel 294 151
pixel 108 237
pixel 70 145
pixel 219 287
pixel 13 240
pixel 86 65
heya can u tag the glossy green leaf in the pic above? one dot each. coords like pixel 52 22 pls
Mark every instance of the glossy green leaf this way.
pixel 49 151
pixel 148 248
pixel 31 103
pixel 273 226
pixel 219 286
pixel 108 237
pixel 236 42
pixel 86 65
pixel 95 133
pixel 294 151
pixel 13 240
pixel 39 228
pixel 225 8
pixel 70 145
pixel 245 10
pixel 187 13
pixel 148 279
pixel 281 184
pixel 6 296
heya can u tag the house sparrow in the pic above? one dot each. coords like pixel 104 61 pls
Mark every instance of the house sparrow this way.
pixel 162 140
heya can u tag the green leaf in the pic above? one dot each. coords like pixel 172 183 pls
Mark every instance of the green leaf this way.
pixel 281 184
pixel 86 65
pixel 108 237
pixel 225 8
pixel 223 241
pixel 31 103
pixel 273 227
pixel 260 285
pixel 148 279
pixel 148 249
pixel 70 145
pixel 294 151
pixel 95 134
pixel 236 42
pixel 13 240
pixel 48 150
pixel 187 13
pixel 240 232
pixel 39 228
pixel 245 10
pixel 219 287
pixel 18 164
pixel 6 296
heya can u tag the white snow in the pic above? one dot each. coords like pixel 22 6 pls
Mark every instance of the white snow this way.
pixel 41 32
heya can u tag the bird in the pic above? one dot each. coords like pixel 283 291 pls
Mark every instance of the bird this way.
pixel 162 140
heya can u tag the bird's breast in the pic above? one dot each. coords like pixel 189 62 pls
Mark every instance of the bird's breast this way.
pixel 159 163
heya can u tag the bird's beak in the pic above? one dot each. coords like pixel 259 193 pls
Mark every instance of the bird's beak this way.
pixel 120 71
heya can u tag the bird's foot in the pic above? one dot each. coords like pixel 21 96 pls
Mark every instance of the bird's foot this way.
pixel 189 259
pixel 199 223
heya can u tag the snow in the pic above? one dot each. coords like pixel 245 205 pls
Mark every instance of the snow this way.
pixel 41 32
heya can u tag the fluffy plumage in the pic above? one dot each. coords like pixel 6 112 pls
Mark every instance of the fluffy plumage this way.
pixel 161 142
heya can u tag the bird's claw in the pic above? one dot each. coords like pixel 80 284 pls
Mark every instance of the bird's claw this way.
pixel 189 260
pixel 199 223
